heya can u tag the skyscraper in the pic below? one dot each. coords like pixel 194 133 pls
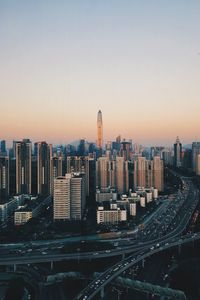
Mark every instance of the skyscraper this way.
pixel 198 164
pixel 125 150
pixel 77 186
pixel 158 173
pixel 112 173
pixel 3 147
pixel 195 152
pixel 23 167
pixel 69 197
pixel 99 130
pixel 121 175
pixel 102 167
pixel 4 177
pixel 61 202
pixel 140 168
pixel 83 164
pixel 55 169
pixel 177 153
pixel 44 154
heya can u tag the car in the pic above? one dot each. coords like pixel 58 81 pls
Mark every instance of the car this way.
pixel 97 281
pixel 165 276
pixel 132 259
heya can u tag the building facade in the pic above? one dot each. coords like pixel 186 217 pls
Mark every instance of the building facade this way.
pixel 23 167
pixel 69 197
pixel 44 154
pixel 4 177
pixel 99 130
pixel 177 153
pixel 195 152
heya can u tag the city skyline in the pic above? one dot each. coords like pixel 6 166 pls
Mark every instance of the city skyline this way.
pixel 75 142
pixel 137 62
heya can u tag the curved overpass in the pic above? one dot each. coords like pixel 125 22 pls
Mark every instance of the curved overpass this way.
pixel 110 274
pixel 39 258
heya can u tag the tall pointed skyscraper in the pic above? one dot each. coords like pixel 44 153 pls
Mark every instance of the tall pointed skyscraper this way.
pixel 99 130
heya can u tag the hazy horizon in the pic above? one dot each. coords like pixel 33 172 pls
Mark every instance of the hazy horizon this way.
pixel 9 143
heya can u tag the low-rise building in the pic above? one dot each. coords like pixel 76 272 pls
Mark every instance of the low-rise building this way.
pixel 105 196
pixel 8 207
pixel 31 210
pixel 111 216
pixel 21 217
pixel 115 210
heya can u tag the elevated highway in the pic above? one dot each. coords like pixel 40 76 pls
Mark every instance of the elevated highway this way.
pixel 110 274
pixel 185 208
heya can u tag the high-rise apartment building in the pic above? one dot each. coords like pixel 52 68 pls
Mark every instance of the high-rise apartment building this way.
pixel 112 173
pixel 102 178
pixel 44 154
pixel 122 183
pixel 195 152
pixel 149 174
pixel 69 197
pixel 198 164
pixel 99 130
pixel 177 153
pixel 125 150
pixel 158 172
pixel 121 174
pixel 157 151
pixel 140 171
pixel 56 169
pixel 3 148
pixel 4 177
pixel 102 175
pixel 81 151
pixel 62 197
pixel 167 155
pixel 187 159
pixel 116 144
pixel 78 199
pixel 83 164
pixel 23 166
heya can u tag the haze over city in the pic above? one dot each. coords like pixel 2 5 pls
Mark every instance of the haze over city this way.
pixel 136 61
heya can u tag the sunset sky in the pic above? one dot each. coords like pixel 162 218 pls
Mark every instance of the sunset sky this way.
pixel 137 61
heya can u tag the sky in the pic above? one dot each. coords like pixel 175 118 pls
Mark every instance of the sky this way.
pixel 137 61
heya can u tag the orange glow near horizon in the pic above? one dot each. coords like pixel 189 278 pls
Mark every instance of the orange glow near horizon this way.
pixel 149 132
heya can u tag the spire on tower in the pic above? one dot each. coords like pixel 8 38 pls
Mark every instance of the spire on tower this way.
pixel 99 130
